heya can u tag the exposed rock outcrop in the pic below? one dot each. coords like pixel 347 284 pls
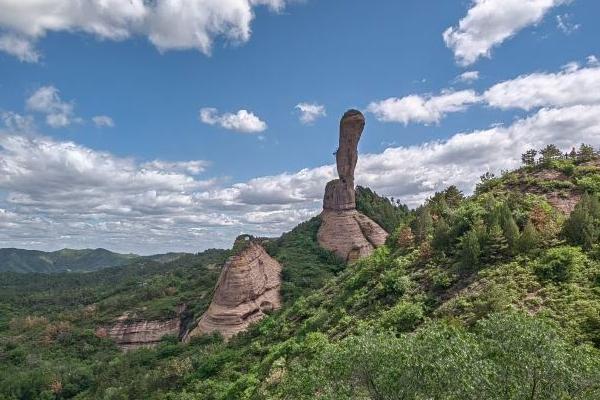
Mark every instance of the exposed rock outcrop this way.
pixel 249 286
pixel 344 230
pixel 131 334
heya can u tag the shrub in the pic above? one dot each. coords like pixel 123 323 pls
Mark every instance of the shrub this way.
pixel 403 317
pixel 559 264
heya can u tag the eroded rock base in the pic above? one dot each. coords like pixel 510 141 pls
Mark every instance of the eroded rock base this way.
pixel 350 234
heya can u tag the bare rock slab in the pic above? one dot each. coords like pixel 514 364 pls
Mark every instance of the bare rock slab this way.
pixel 249 287
pixel 131 334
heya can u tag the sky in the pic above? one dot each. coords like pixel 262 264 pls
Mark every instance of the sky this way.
pixel 170 125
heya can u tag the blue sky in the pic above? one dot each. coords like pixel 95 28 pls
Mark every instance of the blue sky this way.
pixel 148 73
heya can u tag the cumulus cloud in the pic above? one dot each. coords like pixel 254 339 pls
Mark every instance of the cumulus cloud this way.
pixel 569 87
pixel 64 194
pixel 310 112
pixel 47 100
pixel 420 109
pixel 19 47
pixel 103 121
pixel 488 23
pixel 242 121
pixel 191 24
pixel 468 77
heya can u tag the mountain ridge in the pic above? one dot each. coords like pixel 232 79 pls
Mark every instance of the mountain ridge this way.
pixel 69 260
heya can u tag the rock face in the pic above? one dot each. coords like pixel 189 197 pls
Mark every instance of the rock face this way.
pixel 249 286
pixel 344 230
pixel 132 334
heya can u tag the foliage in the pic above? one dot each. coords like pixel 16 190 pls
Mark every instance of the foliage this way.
pixel 476 297
pixel 388 213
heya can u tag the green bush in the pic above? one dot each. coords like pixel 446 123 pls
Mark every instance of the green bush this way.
pixel 560 264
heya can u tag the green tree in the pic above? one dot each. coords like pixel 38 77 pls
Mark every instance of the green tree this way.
pixel 560 264
pixel 441 235
pixel 496 246
pixel 386 212
pixel 582 227
pixel 509 226
pixel 470 250
pixel 422 224
pixel 529 239
pixel 549 154
pixel 528 158
pixel 585 153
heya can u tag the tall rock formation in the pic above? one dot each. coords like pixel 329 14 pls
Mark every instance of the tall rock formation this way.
pixel 345 231
pixel 249 286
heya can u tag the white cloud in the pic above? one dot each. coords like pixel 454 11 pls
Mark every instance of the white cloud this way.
pixel 103 121
pixel 63 194
pixel 569 87
pixel 47 100
pixel 563 22
pixel 488 23
pixel 593 61
pixel 310 112
pixel 468 77
pixel 168 24
pixel 415 108
pixel 17 122
pixel 194 167
pixel 19 47
pixel 242 121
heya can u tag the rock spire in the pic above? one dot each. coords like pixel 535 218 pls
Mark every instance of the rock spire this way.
pixel 344 230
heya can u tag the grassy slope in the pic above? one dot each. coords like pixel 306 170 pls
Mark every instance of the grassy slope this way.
pixel 363 317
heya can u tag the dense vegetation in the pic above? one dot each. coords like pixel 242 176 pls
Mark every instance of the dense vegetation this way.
pixel 491 296
pixel 388 213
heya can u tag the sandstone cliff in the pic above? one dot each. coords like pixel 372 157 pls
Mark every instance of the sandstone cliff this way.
pixel 249 286
pixel 344 230
pixel 132 334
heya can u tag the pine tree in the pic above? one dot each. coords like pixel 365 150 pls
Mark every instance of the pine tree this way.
pixel 582 227
pixel 585 153
pixel 496 246
pixel 470 251
pixel 529 239
pixel 528 158
pixel 422 225
pixel 509 227
pixel 441 235
pixel 550 153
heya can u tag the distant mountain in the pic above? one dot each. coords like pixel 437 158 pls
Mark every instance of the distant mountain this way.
pixel 65 260
pixel 69 260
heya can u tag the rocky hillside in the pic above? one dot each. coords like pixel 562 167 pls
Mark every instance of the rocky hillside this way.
pixel 493 296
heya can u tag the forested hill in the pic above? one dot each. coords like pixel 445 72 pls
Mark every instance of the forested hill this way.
pixel 68 260
pixel 490 296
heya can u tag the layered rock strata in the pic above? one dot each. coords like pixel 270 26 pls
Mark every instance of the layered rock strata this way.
pixel 249 287
pixel 131 334
pixel 344 230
